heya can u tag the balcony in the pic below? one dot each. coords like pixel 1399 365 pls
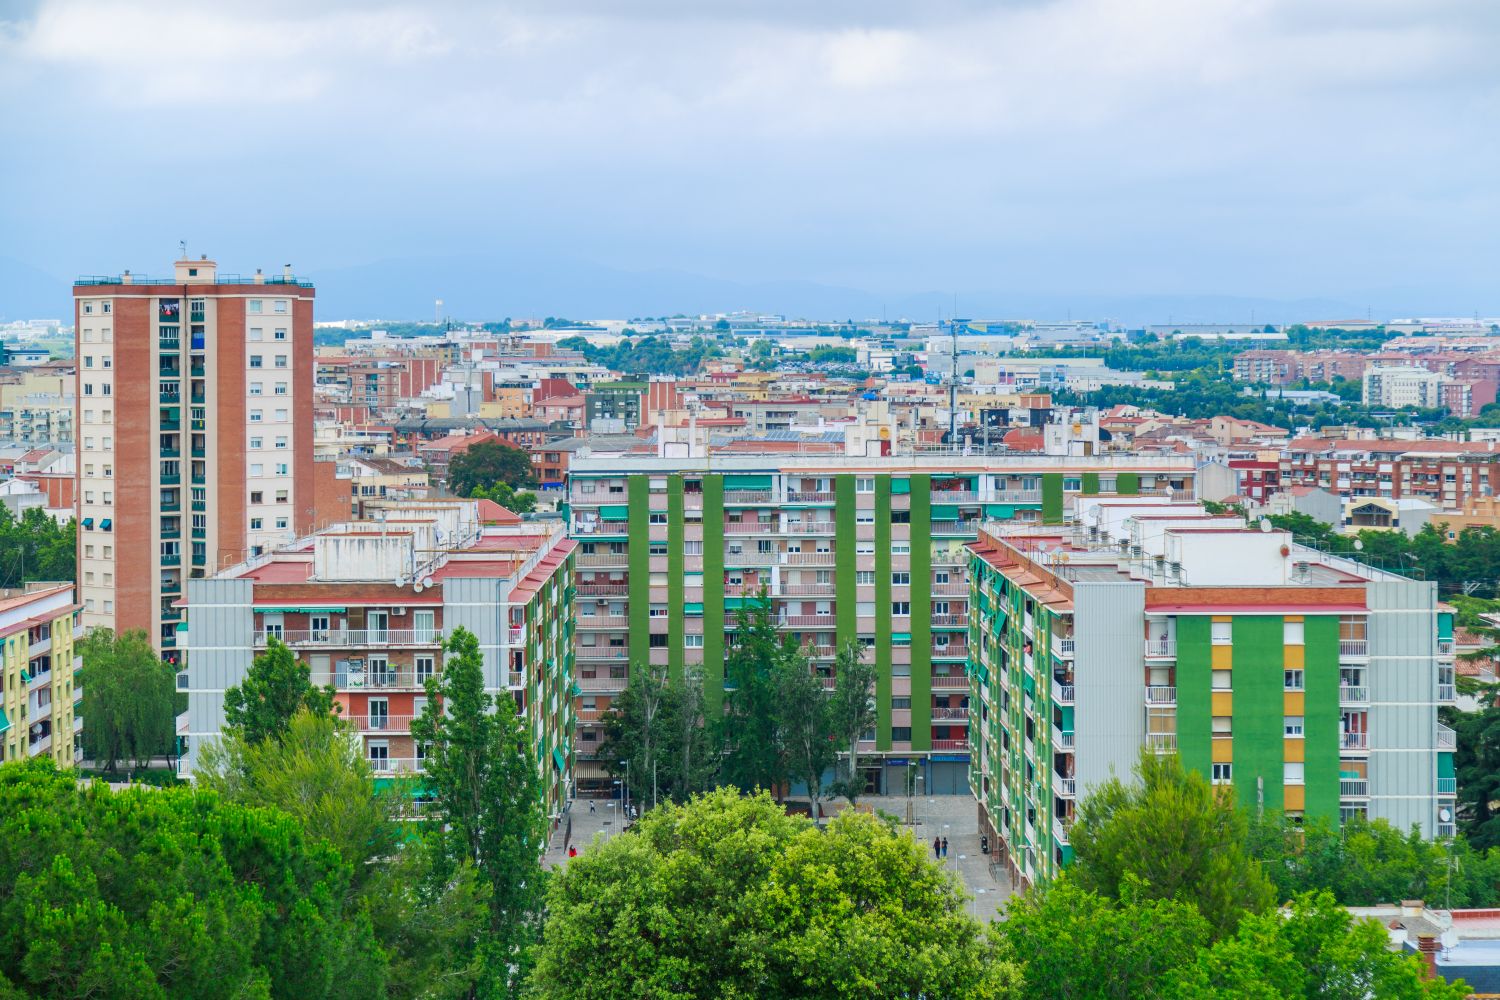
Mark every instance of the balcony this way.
pixel 169 343
pixel 380 723
pixel 356 637
pixel 1354 741
pixel 1447 693
pixel 1161 648
pixel 954 496
pixel 1445 647
pixel 955 527
pixel 602 684
pixel 595 654
pixel 603 621
pixel 805 559
pixel 752 528
pixel 1354 788
pixel 949 682
pixel 1062 694
pixel 1062 740
pixel 1018 496
pixel 802 590
pixel 952 651
pixel 590 714
pixel 600 528
pixel 1066 788
pixel 950 621
pixel 1161 742
pixel 809 528
pixel 603 589
pixel 947 745
pixel 1064 647
pixel 946 558
pixel 803 496
pixel 1159 694
pixel 396 765
pixel 1354 647
pixel 1447 786
pixel 950 589
pixel 950 714
pixel 748 497
pixel 807 621
pixel 1446 738
pixel 1353 695
pixel 604 559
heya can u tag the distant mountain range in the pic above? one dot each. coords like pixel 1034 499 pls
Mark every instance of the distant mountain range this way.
pixel 473 287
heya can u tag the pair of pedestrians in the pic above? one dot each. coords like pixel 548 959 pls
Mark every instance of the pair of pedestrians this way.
pixel 939 847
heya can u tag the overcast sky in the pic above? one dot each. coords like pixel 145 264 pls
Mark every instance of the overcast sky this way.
pixel 1334 149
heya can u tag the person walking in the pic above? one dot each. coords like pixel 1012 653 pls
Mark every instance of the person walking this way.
pixel 945 848
pixel 937 847
pixel 591 807
pixel 572 852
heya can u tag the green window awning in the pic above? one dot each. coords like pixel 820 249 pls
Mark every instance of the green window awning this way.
pixel 106 524
pixel 4 720
pixel 1067 718
pixel 901 637
pixel 692 608
pixel 297 610
pixel 1445 765
pixel 615 513
pixel 900 485
pixel 1445 625
pixel 557 759
pixel 735 603
pixel 944 512
pixel 748 482
pixel 1029 684
pixel 1002 511
pixel 88 522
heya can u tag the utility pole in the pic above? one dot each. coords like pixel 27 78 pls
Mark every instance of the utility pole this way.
pixel 953 385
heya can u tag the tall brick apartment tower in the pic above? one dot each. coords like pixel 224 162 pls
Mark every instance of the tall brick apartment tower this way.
pixel 195 434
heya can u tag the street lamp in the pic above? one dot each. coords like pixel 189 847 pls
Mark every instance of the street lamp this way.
pixel 626 791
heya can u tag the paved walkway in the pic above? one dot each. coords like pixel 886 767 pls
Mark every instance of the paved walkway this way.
pixel 953 816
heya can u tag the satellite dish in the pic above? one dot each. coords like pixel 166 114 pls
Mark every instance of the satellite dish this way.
pixel 416 588
pixel 1445 815
pixel 1359 545
pixel 426 581
pixel 1265 525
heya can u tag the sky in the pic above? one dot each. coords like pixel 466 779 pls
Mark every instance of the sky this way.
pixel 1132 159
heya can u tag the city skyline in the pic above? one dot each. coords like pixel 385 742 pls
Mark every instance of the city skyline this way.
pixel 1035 158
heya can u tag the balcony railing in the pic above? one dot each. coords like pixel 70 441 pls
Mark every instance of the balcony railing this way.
pixel 748 496
pixel 1062 739
pixel 827 527
pixel 397 765
pixel 603 589
pixel 1161 694
pixel 1354 741
pixel 807 621
pixel 954 496
pixel 589 714
pixel 951 713
pixel 807 558
pixel 1161 742
pixel 1354 788
pixel 1447 786
pixel 1062 694
pixel 950 744
pixel 1161 647
pixel 1353 694
pixel 955 527
pixel 828 589
pixel 1018 496
pixel 820 652
pixel 949 681
pixel 1066 788
pixel 380 723
pixel 600 528
pixel 1447 693
pixel 601 653
pixel 952 651
pixel 1354 647
pixel 1445 647
pixel 950 621
pixel 1064 647
pixel 604 559
pixel 950 589
pixel 751 528
pixel 602 683
pixel 351 637
pixel 1446 738
pixel 603 621
pixel 803 496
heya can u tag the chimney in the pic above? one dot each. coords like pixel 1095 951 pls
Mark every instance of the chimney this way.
pixel 1427 947
pixel 260 278
pixel 286 271
pixel 125 278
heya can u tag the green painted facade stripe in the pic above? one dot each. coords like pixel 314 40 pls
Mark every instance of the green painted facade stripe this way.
pixel 713 596
pixel 638 495
pixel 1321 715
pixel 1052 497
pixel 676 566
pixel 882 615
pixel 844 549
pixel 921 611
pixel 1194 693
pixel 1090 484
pixel 1128 484
pixel 1256 677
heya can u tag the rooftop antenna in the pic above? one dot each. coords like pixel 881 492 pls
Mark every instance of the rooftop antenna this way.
pixel 953 381
pixel 182 245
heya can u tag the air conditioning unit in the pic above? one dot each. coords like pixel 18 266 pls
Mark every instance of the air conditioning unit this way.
pixel 398 612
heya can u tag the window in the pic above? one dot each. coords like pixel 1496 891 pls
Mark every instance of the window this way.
pixel 1291 633
pixel 257 388
pixel 282 496
pixel 1223 725
pixel 657 611
pixel 281 361
pixel 940 578
pixel 1292 680
pixel 281 441
pixel 256 416
pixel 864 485
pixel 281 416
pixel 1292 772
pixel 257 469
pixel 901 608
pixel 281 468
pixel 257 361
pixel 900 702
pixel 1221 680
pixel 280 305
pixel 281 333
pixel 901 734
pixel 281 388
pixel 256 496
pixel 656 549
pixel 256 333
pixel 1220 633
pixel 1223 774
pixel 255 442
pixel 657 519
pixel 902 579
pixel 658 642
pixel 864 576
pixel 692 641
pixel 257 523
pixel 1291 726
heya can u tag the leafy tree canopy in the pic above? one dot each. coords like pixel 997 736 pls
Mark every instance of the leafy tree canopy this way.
pixel 487 464
pixel 275 688
pixel 127 698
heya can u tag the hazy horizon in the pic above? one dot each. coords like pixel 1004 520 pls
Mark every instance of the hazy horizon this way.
pixel 1136 162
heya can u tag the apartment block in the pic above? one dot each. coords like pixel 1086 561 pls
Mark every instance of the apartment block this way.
pixel 195 428
pixel 1448 474
pixel 39 704
pixel 867 550
pixel 1300 682
pixel 367 605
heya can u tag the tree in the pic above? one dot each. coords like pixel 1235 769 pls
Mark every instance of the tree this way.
pixel 318 774
pixel 275 688
pixel 1176 836
pixel 692 761
pixel 637 726
pixel 1477 766
pixel 486 794
pixel 128 699
pixel 1074 943
pixel 487 463
pixel 170 893
pixel 36 547
pixel 750 731
pixel 728 896
pixel 852 714
pixel 806 725
pixel 515 501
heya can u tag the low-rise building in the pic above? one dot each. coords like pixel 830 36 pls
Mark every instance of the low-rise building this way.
pixel 39 705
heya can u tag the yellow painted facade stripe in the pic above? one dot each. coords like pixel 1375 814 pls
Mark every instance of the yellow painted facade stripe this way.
pixel 1223 751
pixel 1221 657
pixel 1223 703
pixel 1294 798
pixel 1294 657
pixel 1294 751
pixel 1294 703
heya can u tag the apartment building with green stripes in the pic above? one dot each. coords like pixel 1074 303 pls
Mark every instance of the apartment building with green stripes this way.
pixel 1302 683
pixel 865 549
